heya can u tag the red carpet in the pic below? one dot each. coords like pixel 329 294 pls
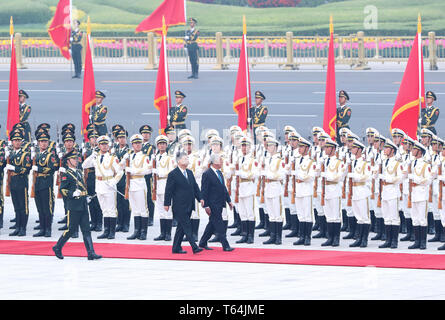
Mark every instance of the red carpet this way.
pixel 281 256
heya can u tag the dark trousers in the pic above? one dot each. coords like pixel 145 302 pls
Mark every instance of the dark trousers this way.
pixel 20 201
pixel 184 227
pixel 2 201
pixel 77 59
pixel 101 129
pixel 44 200
pixel 215 226
pixel 27 128
pixel 123 207
pixel 193 56
pixel 150 203
pixel 76 219
pixel 93 206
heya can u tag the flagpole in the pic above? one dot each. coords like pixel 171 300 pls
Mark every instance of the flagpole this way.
pixel 164 42
pixel 419 48
pixel 247 75
pixel 70 51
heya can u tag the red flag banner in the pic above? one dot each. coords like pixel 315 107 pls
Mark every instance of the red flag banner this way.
pixel 406 110
pixel 172 10
pixel 241 100
pixel 89 89
pixel 13 99
pixel 330 107
pixel 162 90
pixel 60 28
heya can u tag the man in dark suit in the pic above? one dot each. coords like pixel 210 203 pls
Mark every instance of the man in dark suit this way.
pixel 215 196
pixel 182 190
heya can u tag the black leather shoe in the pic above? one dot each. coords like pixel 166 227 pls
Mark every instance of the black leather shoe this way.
pixel 64 220
pixel 41 233
pixel 197 250
pixel 58 252
pixel 65 227
pixel 180 251
pixel 205 247
pixel 228 249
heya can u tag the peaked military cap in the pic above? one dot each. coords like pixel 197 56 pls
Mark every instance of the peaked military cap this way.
pixel 330 143
pixel 145 129
pixel 343 93
pixel 92 134
pixel 179 94
pixel 390 144
pixel 69 136
pixel 122 133
pixel 194 20
pixel 161 139
pixel 259 94
pixel 100 94
pixel 136 138
pixel 69 126
pixel 44 126
pixel 169 129
pixel 103 140
pixel 16 135
pixel 358 144
pixel 430 94
pixel 43 136
pixel 23 93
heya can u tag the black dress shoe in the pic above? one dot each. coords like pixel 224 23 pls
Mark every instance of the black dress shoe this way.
pixel 180 251
pixel 197 250
pixel 190 77
pixel 205 247
pixel 228 249
pixel 65 227
pixel 58 252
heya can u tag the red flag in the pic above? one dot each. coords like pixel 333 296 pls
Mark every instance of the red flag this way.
pixel 162 91
pixel 241 100
pixel 172 10
pixel 13 99
pixel 330 107
pixel 405 115
pixel 60 28
pixel 89 86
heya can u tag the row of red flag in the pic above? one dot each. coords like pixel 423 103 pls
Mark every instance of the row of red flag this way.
pixel 173 12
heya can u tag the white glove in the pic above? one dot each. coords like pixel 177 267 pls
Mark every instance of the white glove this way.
pixel 33 154
pixel 237 173
pixel 323 174
pixel 113 150
pixel 35 168
pixel 351 175
pixel 76 193
pixel 33 150
pixel 62 170
pixel 9 143
pixel 126 156
pixel 6 153
pixel 10 167
pixel 154 171
pixel 129 170
pixel 381 177
pixel 60 155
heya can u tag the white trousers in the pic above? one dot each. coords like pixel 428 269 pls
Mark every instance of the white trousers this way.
pixel 107 202
pixel 373 204
pixel 138 203
pixel 360 208
pixel 317 205
pixel 344 203
pixel 405 209
pixel 332 210
pixel 390 211
pixel 273 206
pixel 419 213
pixel 245 208
pixel 305 211
pixel 159 208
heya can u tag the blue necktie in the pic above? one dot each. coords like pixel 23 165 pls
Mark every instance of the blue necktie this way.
pixel 220 176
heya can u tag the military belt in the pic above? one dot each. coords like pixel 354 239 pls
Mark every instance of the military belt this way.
pixel 99 123
pixel 176 122
pixel 43 174
pixel 104 178
pixel 357 184
pixel 272 180
pixel 136 177
pixel 256 125
pixel 329 183
pixel 387 183
pixel 245 180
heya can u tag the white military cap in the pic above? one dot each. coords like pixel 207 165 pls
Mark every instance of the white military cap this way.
pixel 103 139
pixel 212 133
pixel 304 142
pixel 161 138
pixel 396 132
pixel 136 138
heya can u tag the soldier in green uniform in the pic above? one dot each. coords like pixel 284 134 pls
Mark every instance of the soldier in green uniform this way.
pixel 114 130
pixel 123 206
pixel 191 37
pixel 46 163
pixel 24 113
pixel 429 114
pixel 76 49
pixel 258 113
pixel 3 148
pixel 343 114
pixel 90 177
pixel 178 113
pixel 74 190
pixel 98 114
pixel 19 165
pixel 149 150
pixel 172 140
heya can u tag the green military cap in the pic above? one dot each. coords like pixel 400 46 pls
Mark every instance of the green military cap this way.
pixel 92 134
pixel 193 20
pixel 23 93
pixel 39 131
pixel 259 94
pixel 179 94
pixel 68 126
pixel 169 129
pixel 100 94
pixel 145 129
pixel 44 126
pixel 116 128
pixel 430 94
pixel 73 154
pixel 122 133
pixel 343 93
pixel 69 136
pixel 16 135
pixel 43 136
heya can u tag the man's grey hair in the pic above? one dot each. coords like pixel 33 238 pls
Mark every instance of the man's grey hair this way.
pixel 180 154
pixel 215 157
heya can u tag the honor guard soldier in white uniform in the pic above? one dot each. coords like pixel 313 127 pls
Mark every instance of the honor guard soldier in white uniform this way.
pixel 397 137
pixel 344 155
pixel 206 150
pixel 262 156
pixel 294 155
pixel 108 173
pixel 286 155
pixel 137 168
pixel 407 145
pixel 231 150
pixel 437 146
pixel 420 179
pixel 360 175
pixel 390 179
pixel 304 190
pixel 332 175
pixel 370 157
pixel 123 206
pixel 426 137
pixel 162 164
pixel 245 190
pixel 274 172
pixel 376 160
pixel 441 179
pixel 148 149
